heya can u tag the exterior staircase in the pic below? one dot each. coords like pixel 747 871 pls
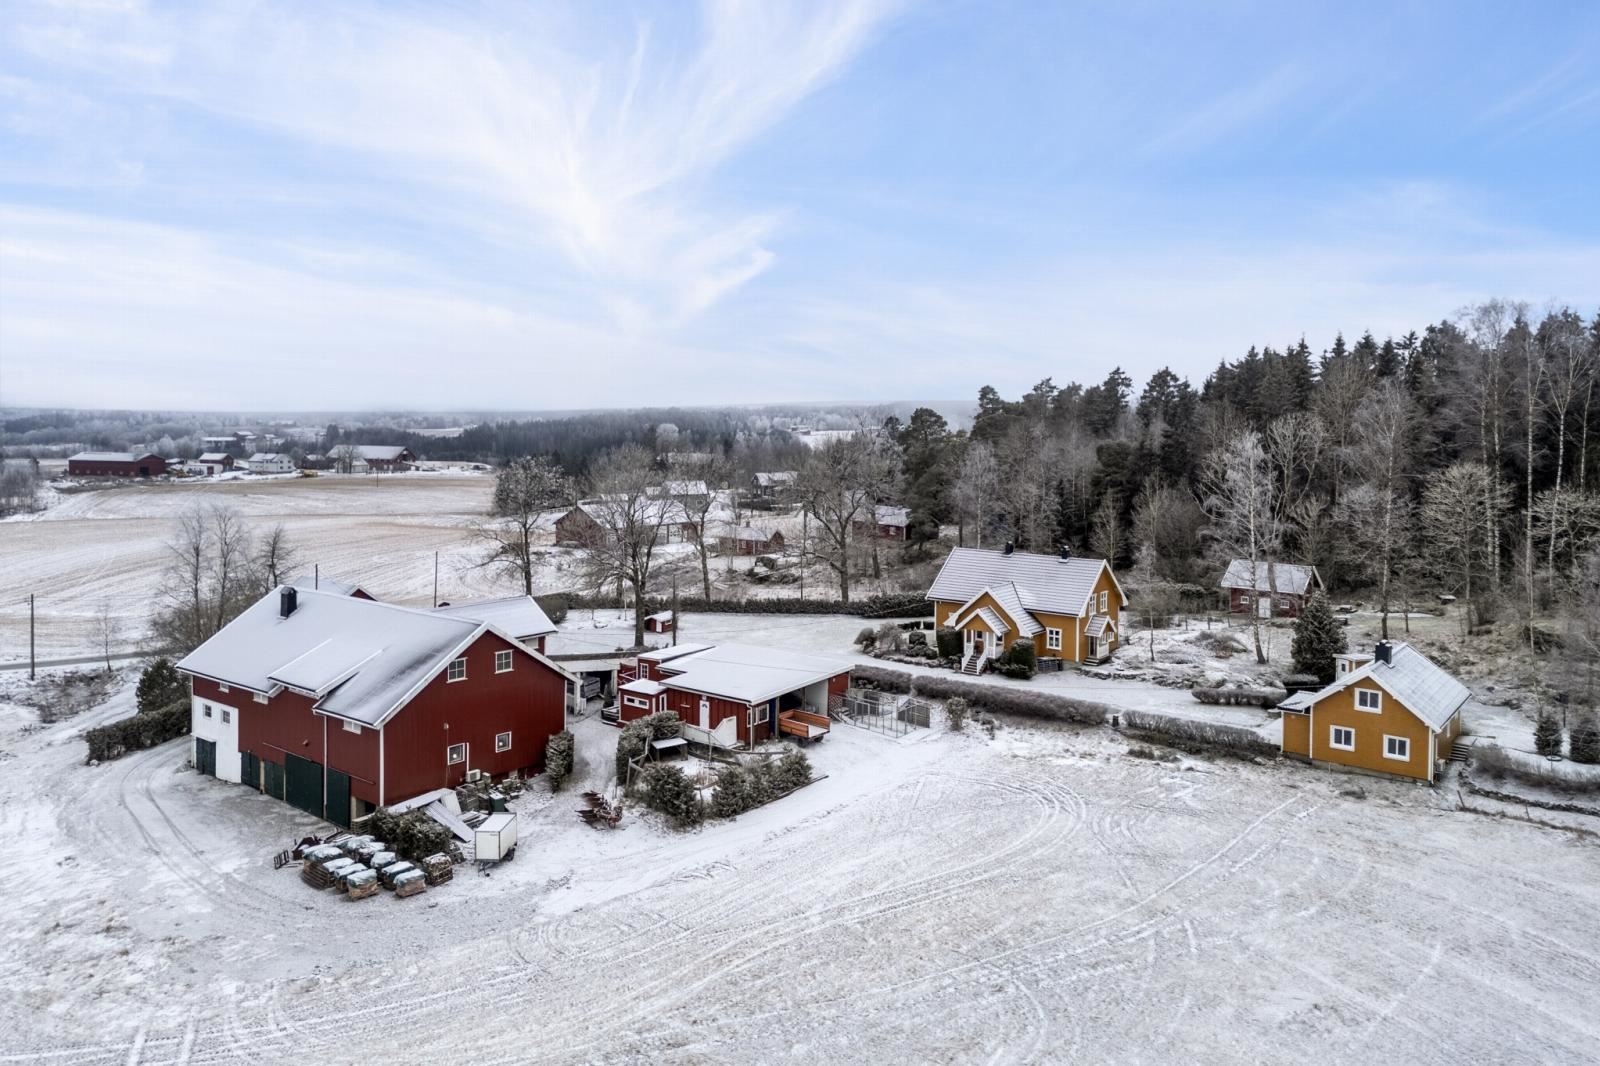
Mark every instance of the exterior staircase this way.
pixel 973 664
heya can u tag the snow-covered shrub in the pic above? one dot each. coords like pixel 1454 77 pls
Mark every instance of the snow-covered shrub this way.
pixel 917 639
pixel 866 640
pixel 955 713
pixel 890 637
pixel 412 836
pixel 558 754
pixel 669 791
pixel 636 736
pixel 141 731
pixel 1019 661
pixel 879 678
pixel 1202 734
pixel 1318 637
pixel 1008 700
pixel 790 771
pixel 555 606
pixel 950 643
pixel 1240 697
pixel 733 795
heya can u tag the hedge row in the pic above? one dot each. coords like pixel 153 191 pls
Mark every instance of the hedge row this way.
pixel 137 733
pixel 1201 734
pixel 1240 697
pixel 1008 700
pixel 879 678
pixel 908 606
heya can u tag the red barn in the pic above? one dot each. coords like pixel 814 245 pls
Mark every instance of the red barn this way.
pixel 734 694
pixel 340 704
pixel 1275 590
pixel 885 523
pixel 116 464
pixel 748 540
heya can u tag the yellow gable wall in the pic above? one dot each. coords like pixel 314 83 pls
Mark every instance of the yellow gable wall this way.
pixel 945 617
pixel 1296 733
pixel 1393 720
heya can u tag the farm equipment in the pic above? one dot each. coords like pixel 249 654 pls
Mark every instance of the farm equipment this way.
pixel 600 812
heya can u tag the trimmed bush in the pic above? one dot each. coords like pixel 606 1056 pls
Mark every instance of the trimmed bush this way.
pixel 879 678
pixel 866 640
pixel 733 795
pixel 555 606
pixel 955 714
pixel 669 791
pixel 1187 731
pixel 907 605
pixel 141 731
pixel 890 638
pixel 1547 735
pixel 916 639
pixel 160 686
pixel 790 771
pixel 1019 661
pixel 558 756
pixel 1240 697
pixel 950 643
pixel 1007 700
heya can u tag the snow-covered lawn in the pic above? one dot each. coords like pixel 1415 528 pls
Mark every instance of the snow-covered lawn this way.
pixel 1037 897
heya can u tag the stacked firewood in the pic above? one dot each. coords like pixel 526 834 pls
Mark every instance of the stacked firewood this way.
pixel 600 812
pixel 438 869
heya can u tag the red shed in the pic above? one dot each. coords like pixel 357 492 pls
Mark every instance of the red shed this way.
pixel 340 704
pixel 116 464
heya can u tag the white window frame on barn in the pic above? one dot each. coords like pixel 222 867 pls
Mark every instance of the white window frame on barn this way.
pixel 760 714
pixel 205 709
pixel 1374 705
pixel 1052 639
pixel 260 697
pixel 502 661
pixel 227 716
pixel 451 676
pixel 455 753
pixel 502 742
pixel 352 727
pixel 223 688
pixel 1333 738
pixel 1391 744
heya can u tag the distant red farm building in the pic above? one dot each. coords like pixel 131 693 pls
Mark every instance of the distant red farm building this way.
pixel 748 540
pixel 116 464
pixel 1276 590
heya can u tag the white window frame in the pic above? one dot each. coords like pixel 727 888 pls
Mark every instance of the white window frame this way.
pixel 1052 639
pixel 450 758
pixel 450 675
pixel 1376 706
pixel 227 716
pixel 636 701
pixel 352 727
pixel 260 697
pixel 503 657
pixel 1105 600
pixel 764 710
pixel 1333 738
pixel 1404 742
pixel 205 710
pixel 498 738
pixel 222 688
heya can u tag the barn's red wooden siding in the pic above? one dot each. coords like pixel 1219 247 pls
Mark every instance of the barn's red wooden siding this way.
pixel 1241 601
pixel 529 702
pixel 155 465
pixel 686 705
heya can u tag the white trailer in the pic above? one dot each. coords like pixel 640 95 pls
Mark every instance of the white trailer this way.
pixel 495 837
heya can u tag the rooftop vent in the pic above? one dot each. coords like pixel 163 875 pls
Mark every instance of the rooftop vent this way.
pixel 1066 551
pixel 287 601
pixel 1010 547
pixel 1384 652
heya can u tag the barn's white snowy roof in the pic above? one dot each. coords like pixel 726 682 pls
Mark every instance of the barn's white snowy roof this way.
pixel 113 457
pixel 642 687
pixel 1042 582
pixel 749 674
pixel 768 478
pixel 1426 689
pixel 363 659
pixel 749 533
pixel 213 457
pixel 380 451
pixel 521 616
pixel 1292 578
pixel 661 655
pixel 890 515
pixel 323 583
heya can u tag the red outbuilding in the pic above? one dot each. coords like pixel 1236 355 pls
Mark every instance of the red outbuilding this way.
pixel 116 464
pixel 340 704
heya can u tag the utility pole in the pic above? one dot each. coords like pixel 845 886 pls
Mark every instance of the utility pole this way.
pixel 674 608
pixel 31 662
pixel 436 578
pixel 805 526
pixel 316 576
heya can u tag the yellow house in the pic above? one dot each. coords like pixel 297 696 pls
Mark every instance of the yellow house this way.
pixel 1392 712
pixel 1068 608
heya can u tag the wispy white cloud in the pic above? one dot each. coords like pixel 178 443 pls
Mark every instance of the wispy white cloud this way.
pixel 1231 112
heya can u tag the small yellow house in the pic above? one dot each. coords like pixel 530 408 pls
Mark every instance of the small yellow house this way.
pixel 1069 608
pixel 1392 712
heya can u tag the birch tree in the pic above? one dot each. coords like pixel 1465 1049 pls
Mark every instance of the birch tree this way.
pixel 1383 459
pixel 1569 374
pixel 1453 526
pixel 835 486
pixel 632 517
pixel 976 489
pixel 1237 495
pixel 524 489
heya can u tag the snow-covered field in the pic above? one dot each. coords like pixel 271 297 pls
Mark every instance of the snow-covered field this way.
pixel 1037 897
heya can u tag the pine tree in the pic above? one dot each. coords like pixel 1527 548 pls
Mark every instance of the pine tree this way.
pixel 1547 735
pixel 733 796
pixel 669 790
pixel 1318 637
pixel 1583 740
pixel 160 686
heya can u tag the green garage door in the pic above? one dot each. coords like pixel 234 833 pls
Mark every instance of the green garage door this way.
pixel 250 770
pixel 303 787
pixel 205 756
pixel 274 779
pixel 339 798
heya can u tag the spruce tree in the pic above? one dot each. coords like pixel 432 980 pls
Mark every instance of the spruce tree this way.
pixel 160 686
pixel 1318 637
pixel 1583 740
pixel 1547 735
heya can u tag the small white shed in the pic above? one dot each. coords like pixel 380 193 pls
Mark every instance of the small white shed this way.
pixel 494 838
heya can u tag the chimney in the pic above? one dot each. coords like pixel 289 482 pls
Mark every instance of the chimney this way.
pixel 1384 652
pixel 1010 547
pixel 1066 552
pixel 287 598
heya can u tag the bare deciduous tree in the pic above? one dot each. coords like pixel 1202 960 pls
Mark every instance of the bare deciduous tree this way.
pixel 838 486
pixel 632 518
pixel 1454 527
pixel 107 629
pixel 1238 498
pixel 1382 459
pixel 524 489
pixel 976 489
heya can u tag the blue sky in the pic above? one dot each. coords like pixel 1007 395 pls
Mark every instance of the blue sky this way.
pixel 547 206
